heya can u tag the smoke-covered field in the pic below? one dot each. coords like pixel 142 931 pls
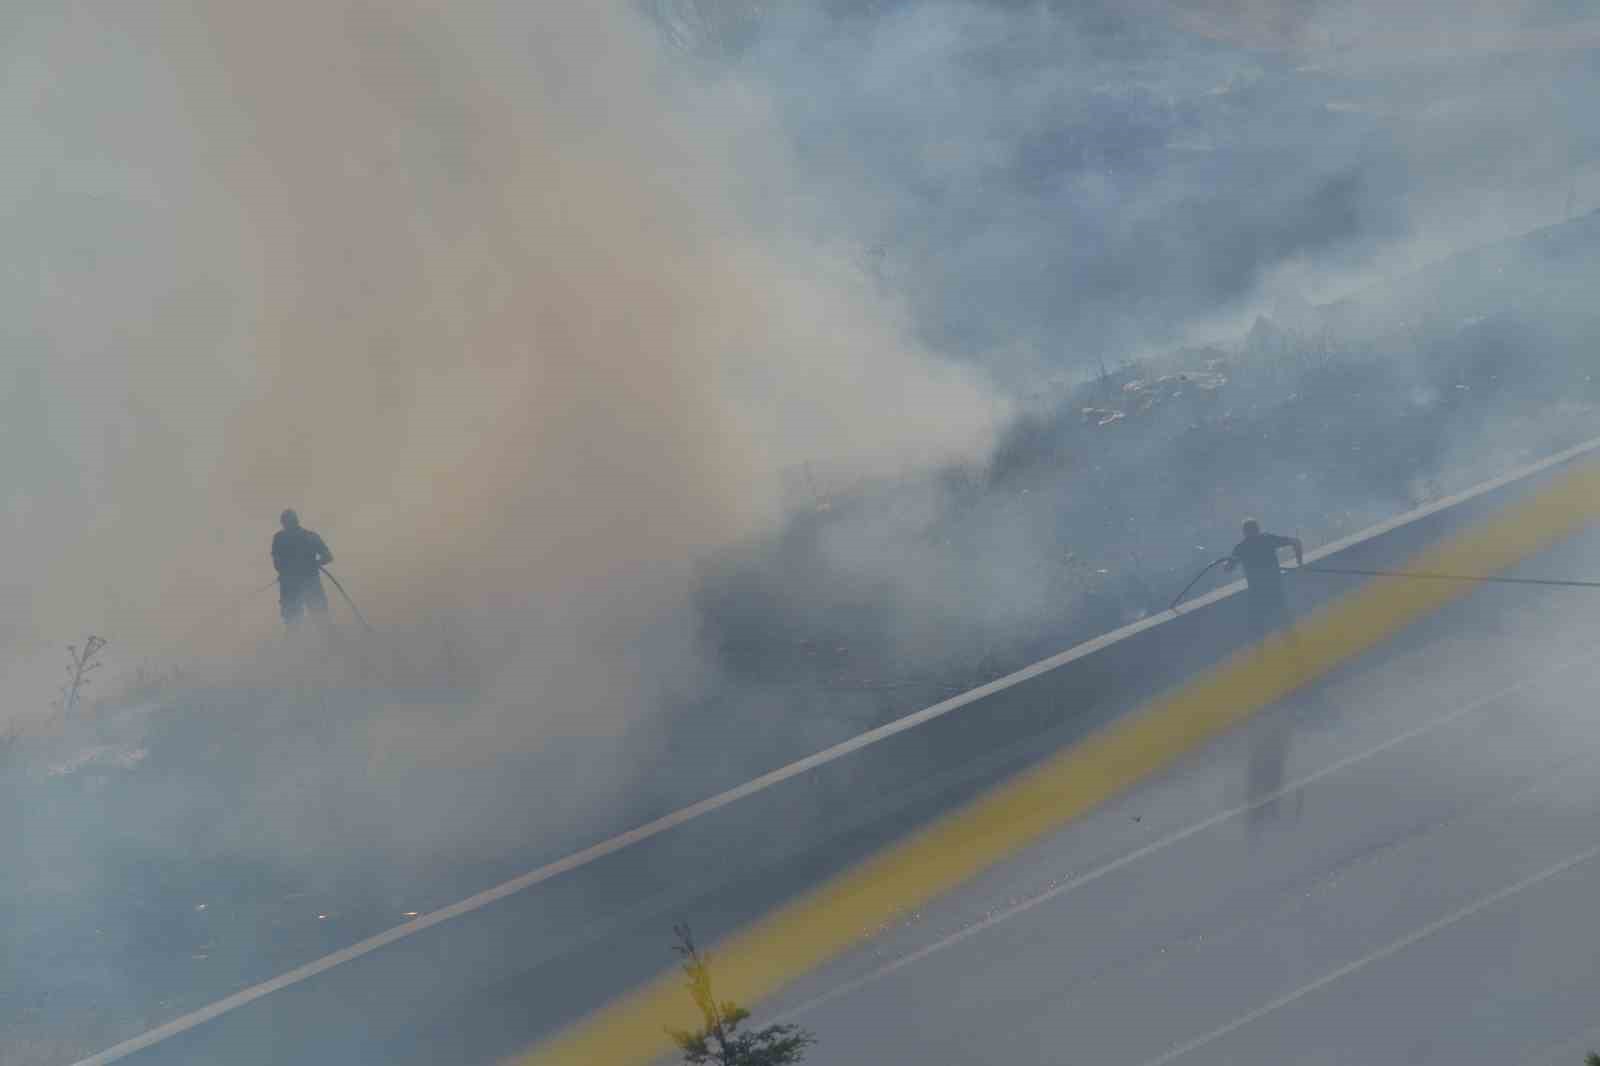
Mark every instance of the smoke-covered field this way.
pixel 682 388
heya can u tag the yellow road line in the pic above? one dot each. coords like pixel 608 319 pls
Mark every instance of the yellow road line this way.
pixel 800 936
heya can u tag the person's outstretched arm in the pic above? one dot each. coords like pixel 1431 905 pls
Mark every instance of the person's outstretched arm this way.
pixel 324 556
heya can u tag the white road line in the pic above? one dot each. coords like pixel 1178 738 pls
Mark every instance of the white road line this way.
pixel 775 777
pixel 1376 956
pixel 1181 835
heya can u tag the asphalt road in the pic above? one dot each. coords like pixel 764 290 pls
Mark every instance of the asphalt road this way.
pixel 1397 865
pixel 1401 865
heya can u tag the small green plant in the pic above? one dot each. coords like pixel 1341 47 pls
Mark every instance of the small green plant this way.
pixel 719 1040
pixel 1593 1059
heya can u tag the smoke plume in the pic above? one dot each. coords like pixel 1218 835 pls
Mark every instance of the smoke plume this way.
pixel 511 306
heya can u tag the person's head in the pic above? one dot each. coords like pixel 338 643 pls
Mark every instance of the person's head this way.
pixel 289 519
pixel 1251 527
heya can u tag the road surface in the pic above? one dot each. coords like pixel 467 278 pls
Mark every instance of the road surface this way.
pixel 1401 865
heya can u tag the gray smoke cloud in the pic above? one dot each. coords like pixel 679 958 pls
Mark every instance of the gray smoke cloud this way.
pixel 1066 193
pixel 1057 184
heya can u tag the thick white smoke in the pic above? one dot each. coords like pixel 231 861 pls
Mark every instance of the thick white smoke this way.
pixel 480 288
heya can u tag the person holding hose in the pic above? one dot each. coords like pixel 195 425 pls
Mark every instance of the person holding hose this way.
pixel 1258 554
pixel 299 556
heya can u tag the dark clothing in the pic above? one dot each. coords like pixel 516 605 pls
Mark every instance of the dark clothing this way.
pixel 299 556
pixel 299 552
pixel 1258 554
pixel 1269 611
pixel 297 594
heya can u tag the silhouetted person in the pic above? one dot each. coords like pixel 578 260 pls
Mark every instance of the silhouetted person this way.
pixel 1258 554
pixel 299 555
